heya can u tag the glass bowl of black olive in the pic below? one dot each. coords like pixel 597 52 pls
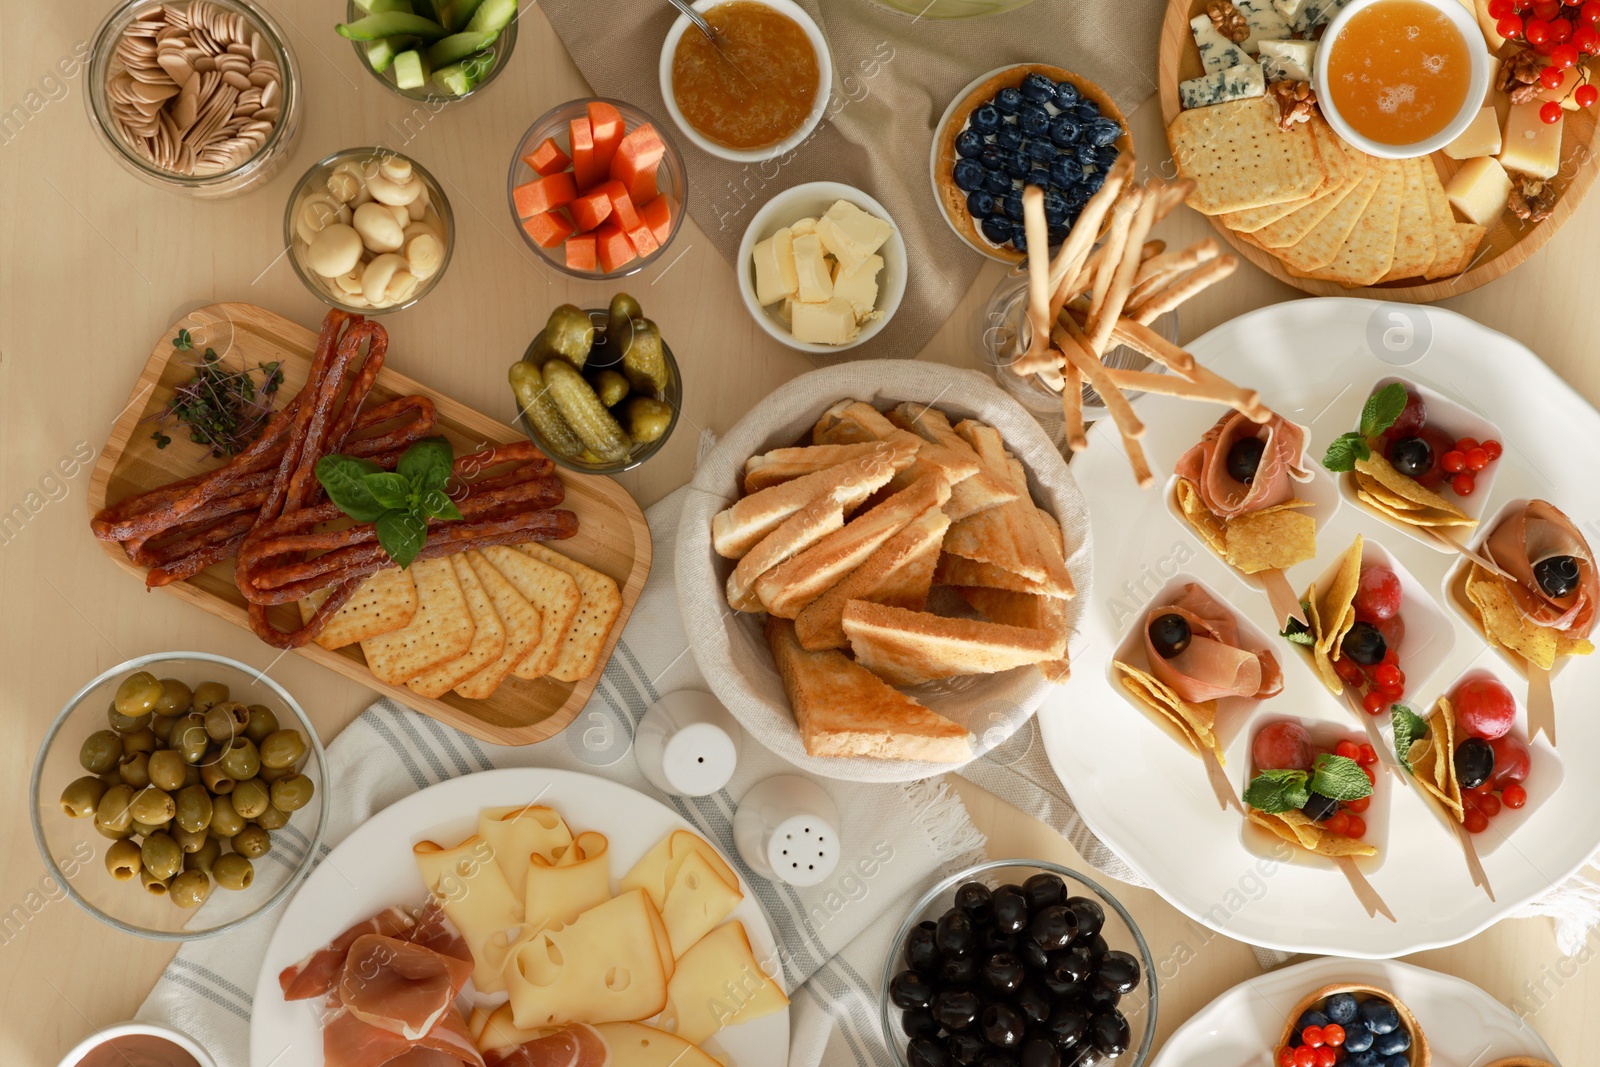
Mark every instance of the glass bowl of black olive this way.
pixel 1019 963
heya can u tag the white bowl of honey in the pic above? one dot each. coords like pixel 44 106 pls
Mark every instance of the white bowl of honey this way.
pixel 756 94
pixel 1401 78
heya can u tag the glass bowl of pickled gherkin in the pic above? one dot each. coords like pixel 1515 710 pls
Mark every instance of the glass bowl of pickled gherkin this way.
pixel 178 795
pixel 598 389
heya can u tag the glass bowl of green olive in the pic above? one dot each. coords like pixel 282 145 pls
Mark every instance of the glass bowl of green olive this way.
pixel 179 795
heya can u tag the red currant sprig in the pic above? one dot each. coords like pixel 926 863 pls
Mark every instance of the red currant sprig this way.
pixel 1566 33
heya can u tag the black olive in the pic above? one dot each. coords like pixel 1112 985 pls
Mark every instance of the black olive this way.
pixel 1558 576
pixel 921 952
pixel 1002 973
pixel 1244 457
pixel 1091 916
pixel 966 1048
pixel 955 1009
pixel 1119 972
pixel 1319 808
pixel 1039 1052
pixel 1054 926
pixel 959 972
pixel 1010 909
pixel 991 940
pixel 1062 985
pixel 1474 762
pixel 1364 644
pixel 926 1052
pixel 1170 635
pixel 1074 964
pixel 1109 1031
pixel 995 1058
pixel 975 899
pixel 1043 890
pixel 909 989
pixel 1067 1026
pixel 1032 1002
pixel 1099 998
pixel 1411 456
pixel 1095 946
pixel 918 1023
pixel 1002 1026
pixel 954 935
pixel 1032 954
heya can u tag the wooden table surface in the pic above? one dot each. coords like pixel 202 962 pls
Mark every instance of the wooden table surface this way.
pixel 94 265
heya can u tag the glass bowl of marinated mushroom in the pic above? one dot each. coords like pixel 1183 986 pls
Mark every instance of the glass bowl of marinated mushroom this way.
pixel 369 230
pixel 179 795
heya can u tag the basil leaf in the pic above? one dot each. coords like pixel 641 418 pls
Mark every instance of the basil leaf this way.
pixel 1277 791
pixel 1339 777
pixel 436 504
pixel 389 489
pixel 1344 450
pixel 1409 728
pixel 402 535
pixel 344 480
pixel 428 463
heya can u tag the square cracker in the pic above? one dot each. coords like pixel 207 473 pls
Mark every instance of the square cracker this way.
pixel 1240 158
pixel 522 625
pixel 383 602
pixel 440 631
pixel 552 591
pixel 1368 252
pixel 1293 227
pixel 1415 243
pixel 1338 165
pixel 1447 239
pixel 488 638
pixel 600 602
pixel 1321 246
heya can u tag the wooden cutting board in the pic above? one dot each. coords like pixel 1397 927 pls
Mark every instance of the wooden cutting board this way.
pixel 612 535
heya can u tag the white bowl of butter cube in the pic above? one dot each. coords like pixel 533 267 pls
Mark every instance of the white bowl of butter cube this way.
pixel 822 267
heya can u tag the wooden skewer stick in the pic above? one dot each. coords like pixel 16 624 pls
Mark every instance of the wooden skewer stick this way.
pixel 1034 224
pixel 1368 896
pixel 1165 300
pixel 1122 277
pixel 1072 405
pixel 1074 345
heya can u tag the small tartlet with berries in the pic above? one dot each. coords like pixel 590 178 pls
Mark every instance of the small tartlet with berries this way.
pixel 1352 1025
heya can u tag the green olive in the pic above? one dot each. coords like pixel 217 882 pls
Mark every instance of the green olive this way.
pixel 190 840
pixel 151 805
pixel 250 798
pixel 138 694
pixel 166 770
pixel 123 860
pixel 162 726
pixel 140 740
pixel 190 889
pixel 233 871
pixel 216 779
pixel 274 774
pixel 82 796
pixel 110 778
pixel 205 857
pixel 144 829
pixel 100 752
pixel 161 855
pixel 226 721
pixel 241 759
pixel 175 698
pixel 125 723
pixel 114 812
pixel 191 775
pixel 135 770
pixel 252 842
pixel 282 748
pixel 225 822
pixel 208 695
pixel 115 835
pixel 274 818
pixel 194 808
pixel 156 887
pixel 263 721
pixel 189 738
pixel 292 794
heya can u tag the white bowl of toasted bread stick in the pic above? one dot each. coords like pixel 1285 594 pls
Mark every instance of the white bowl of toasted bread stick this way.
pixel 881 567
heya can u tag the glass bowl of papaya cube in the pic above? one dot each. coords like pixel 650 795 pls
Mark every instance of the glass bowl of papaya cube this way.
pixel 597 189
pixel 432 50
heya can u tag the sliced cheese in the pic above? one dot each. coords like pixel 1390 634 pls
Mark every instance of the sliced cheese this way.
pixel 1479 190
pixel 497 1031
pixel 719 983
pixel 658 869
pixel 775 270
pixel 558 893
pixel 1265 22
pixel 473 892
pixel 813 281
pixel 1481 138
pixel 697 900
pixel 638 1045
pixel 517 833
pixel 830 322
pixel 1531 146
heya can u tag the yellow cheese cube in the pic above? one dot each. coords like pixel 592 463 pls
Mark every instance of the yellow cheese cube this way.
pixel 1531 146
pixel 1479 190
pixel 1562 94
pixel 774 263
pixel 1482 138
pixel 851 234
pixel 1494 77
pixel 859 286
pixel 814 281
pixel 831 322
pixel 803 227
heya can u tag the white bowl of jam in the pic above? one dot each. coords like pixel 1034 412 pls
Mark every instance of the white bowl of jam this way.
pixel 1401 78
pixel 137 1044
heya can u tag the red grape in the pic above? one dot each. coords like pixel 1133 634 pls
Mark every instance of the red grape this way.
pixel 1510 761
pixel 1282 746
pixel 1377 594
pixel 1411 419
pixel 1393 630
pixel 1484 708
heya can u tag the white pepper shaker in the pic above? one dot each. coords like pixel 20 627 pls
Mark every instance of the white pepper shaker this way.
pixel 787 829
pixel 687 744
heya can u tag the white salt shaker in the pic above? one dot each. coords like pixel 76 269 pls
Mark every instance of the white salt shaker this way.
pixel 687 744
pixel 787 829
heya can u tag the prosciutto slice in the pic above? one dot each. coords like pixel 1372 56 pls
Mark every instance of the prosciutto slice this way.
pixel 400 986
pixel 1213 666
pixel 349 1042
pixel 1283 463
pixel 1540 530
pixel 433 930
pixel 318 973
pixel 579 1045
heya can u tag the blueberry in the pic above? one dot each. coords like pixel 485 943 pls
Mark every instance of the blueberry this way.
pixel 1065 130
pixel 1379 1015
pixel 1087 110
pixel 991 157
pixel 1341 1008
pixel 1066 172
pixel 1309 1018
pixel 1008 100
pixel 969 144
pixel 1392 1043
pixel 1399 1060
pixel 1067 95
pixel 1037 88
pixel 1057 232
pixel 1034 120
pixel 1055 208
pixel 986 119
pixel 1092 181
pixel 1357 1038
pixel 1015 165
pixel 1089 155
pixel 1041 152
pixel 1019 240
pixel 1012 206
pixel 997 182
pixel 980 205
pixel 1009 135
pixel 997 228
pixel 1363 1059
pixel 968 174
pixel 1104 132
pixel 1039 176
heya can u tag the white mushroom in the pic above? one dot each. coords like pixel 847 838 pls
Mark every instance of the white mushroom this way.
pixel 389 192
pixel 378 229
pixel 344 183
pixel 416 228
pixel 396 169
pixel 375 279
pixel 424 254
pixel 402 287
pixel 402 215
pixel 417 210
pixel 316 212
pixel 335 251
pixel 350 282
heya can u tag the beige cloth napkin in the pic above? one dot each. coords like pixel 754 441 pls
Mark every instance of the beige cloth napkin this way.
pixel 893 76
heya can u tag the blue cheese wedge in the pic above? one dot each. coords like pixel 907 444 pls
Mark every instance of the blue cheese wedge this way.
pixel 1293 11
pixel 1288 60
pixel 1216 51
pixel 1236 83
pixel 1265 21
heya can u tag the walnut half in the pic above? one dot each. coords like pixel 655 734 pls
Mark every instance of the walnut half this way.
pixel 1228 20
pixel 1296 101
pixel 1532 199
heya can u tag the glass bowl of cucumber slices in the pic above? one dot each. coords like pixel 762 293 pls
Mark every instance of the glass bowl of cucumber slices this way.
pixel 432 50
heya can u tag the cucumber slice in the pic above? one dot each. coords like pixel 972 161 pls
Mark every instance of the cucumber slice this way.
pixel 411 70
pixel 381 53
pixel 492 15
pixel 457 13
pixel 459 79
pixel 428 10
pixel 381 7
pixel 391 24
pixel 459 46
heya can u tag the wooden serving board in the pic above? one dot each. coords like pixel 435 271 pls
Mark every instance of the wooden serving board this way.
pixel 1509 241
pixel 612 534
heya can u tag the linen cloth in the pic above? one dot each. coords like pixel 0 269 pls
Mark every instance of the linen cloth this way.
pixel 893 77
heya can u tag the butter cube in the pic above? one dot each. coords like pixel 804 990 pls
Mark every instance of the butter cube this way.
pixel 776 277
pixel 814 283
pixel 1482 138
pixel 804 226
pixel 1531 146
pixel 1494 73
pixel 851 234
pixel 831 322
pixel 1479 190
pixel 859 286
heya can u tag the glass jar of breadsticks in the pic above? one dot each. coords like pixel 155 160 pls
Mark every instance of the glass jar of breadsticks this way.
pixel 200 97
pixel 369 230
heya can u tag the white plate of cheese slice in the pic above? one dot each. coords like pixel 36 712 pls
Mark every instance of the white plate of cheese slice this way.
pixel 375 868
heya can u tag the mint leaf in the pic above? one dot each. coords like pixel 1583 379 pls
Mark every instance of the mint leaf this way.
pixel 436 504
pixel 389 489
pixel 1409 727
pixel 1344 450
pixel 1382 409
pixel 402 535
pixel 1297 632
pixel 1277 791
pixel 344 479
pixel 428 463
pixel 1339 777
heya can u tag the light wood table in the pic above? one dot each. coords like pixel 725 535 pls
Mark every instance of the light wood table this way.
pixel 94 265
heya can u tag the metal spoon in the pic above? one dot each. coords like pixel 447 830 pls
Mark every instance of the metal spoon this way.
pixel 698 19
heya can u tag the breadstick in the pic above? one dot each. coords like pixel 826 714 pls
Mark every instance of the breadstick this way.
pixel 1151 249
pixel 1142 338
pixel 1163 301
pixel 1072 406
pixel 1219 391
pixel 1116 242
pixel 1051 378
pixel 1170 196
pixel 1128 424
pixel 1122 277
pixel 1038 276
pixel 1169 263
pixel 1086 230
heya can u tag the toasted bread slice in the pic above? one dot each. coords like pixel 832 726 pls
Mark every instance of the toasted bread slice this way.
pixel 785 464
pixel 899 573
pixel 799 532
pixel 786 589
pixel 959 571
pixel 851 421
pixel 911 647
pixel 1028 611
pixel 843 710
pixel 738 529
pixel 1010 536
pixel 980 492
pixel 854 420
